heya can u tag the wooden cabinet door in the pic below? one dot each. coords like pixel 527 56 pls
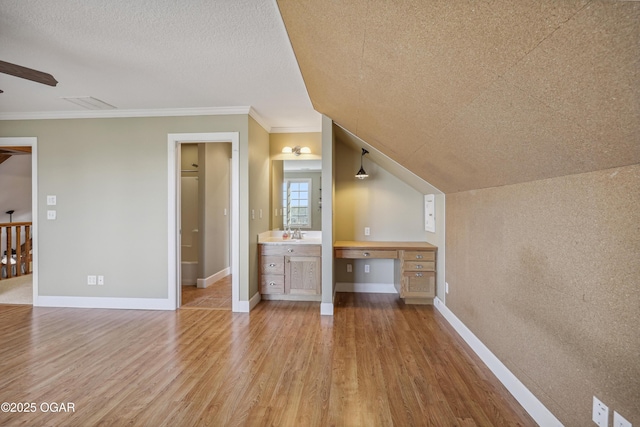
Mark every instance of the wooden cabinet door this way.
pixel 418 285
pixel 302 275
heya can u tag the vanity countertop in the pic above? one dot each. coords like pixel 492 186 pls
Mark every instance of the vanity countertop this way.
pixel 274 237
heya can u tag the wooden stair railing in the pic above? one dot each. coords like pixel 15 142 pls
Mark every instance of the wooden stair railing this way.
pixel 11 235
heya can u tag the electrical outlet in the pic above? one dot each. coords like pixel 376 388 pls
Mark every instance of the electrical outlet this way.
pixel 367 231
pixel 349 268
pixel 100 280
pixel 620 421
pixel 366 268
pixel 600 413
pixel 91 280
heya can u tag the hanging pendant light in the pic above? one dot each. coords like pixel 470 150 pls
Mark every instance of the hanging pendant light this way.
pixel 361 173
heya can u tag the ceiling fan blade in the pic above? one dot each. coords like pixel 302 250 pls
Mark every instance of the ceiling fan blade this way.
pixel 27 73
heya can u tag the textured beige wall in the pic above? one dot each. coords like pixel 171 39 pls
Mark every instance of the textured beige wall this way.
pixel 547 275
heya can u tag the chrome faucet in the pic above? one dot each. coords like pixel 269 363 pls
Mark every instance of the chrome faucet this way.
pixel 297 235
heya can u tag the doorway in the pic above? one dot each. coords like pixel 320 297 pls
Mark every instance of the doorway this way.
pixel 22 289
pixel 174 211
pixel 205 202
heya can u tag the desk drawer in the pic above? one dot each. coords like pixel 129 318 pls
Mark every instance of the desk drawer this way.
pixel 365 253
pixel 419 266
pixel 272 284
pixel 289 250
pixel 419 255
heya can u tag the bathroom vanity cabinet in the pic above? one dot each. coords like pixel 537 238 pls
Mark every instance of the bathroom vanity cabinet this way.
pixel 290 271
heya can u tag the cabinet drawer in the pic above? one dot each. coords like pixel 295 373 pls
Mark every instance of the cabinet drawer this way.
pixel 418 285
pixel 419 266
pixel 272 264
pixel 419 255
pixel 272 284
pixel 287 250
pixel 363 253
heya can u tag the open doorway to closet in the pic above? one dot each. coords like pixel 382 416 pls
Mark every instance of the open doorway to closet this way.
pixel 205 202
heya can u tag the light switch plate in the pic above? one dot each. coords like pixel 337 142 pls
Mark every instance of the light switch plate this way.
pixel 430 213
pixel 600 413
pixel 51 200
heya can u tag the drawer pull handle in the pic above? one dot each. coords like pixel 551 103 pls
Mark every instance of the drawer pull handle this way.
pixel 272 265
pixel 418 274
pixel 289 250
pixel 419 266
pixel 418 256
pixel 366 253
pixel 272 283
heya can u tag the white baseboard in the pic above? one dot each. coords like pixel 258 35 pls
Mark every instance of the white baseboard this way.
pixel 529 402
pixel 254 301
pixel 98 302
pixel 203 283
pixel 371 288
pixel 326 309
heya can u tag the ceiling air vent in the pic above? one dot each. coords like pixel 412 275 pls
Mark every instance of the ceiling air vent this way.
pixel 89 103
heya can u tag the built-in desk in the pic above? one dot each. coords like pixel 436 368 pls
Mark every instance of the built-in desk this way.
pixel 414 265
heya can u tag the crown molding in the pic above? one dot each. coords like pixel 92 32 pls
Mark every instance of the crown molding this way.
pixel 159 112
pixel 100 114
pixel 299 129
pixel 258 118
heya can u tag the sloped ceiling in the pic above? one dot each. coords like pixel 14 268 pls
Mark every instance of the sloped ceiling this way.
pixel 470 94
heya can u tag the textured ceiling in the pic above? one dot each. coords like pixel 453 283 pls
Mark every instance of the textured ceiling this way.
pixel 154 54
pixel 470 94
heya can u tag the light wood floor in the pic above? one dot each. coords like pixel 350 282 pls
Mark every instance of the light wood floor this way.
pixel 376 362
pixel 216 296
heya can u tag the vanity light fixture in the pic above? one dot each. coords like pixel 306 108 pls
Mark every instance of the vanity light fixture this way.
pixel 297 150
pixel 361 173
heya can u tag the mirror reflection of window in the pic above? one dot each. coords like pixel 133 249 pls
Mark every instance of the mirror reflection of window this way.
pixel 296 202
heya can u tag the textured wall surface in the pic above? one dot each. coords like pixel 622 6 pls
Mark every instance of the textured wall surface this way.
pixel 472 95
pixel 547 275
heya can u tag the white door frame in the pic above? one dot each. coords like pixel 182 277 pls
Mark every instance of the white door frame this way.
pixel 174 273
pixel 33 143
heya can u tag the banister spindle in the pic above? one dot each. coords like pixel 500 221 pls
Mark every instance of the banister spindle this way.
pixel 8 264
